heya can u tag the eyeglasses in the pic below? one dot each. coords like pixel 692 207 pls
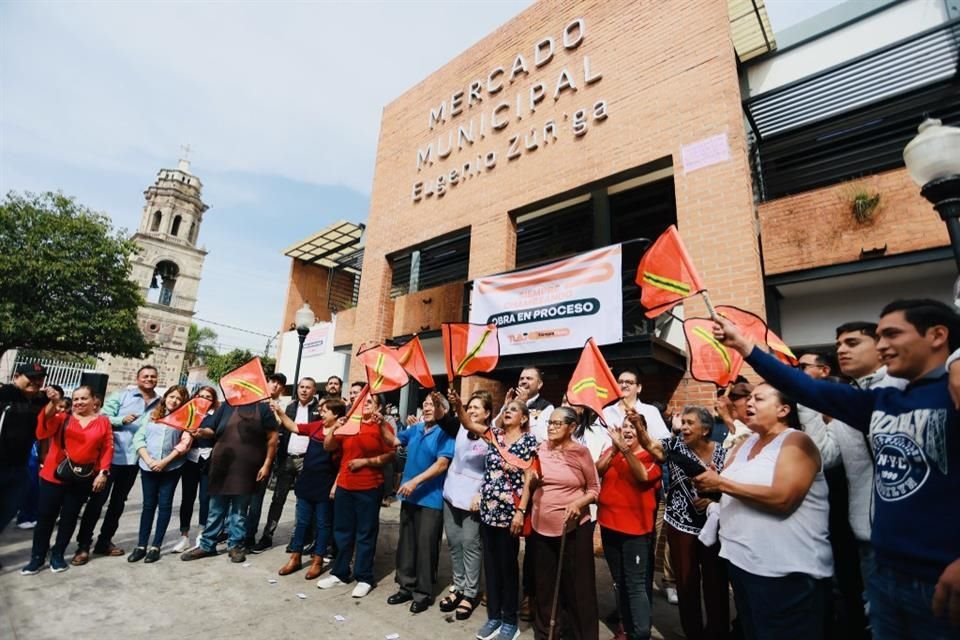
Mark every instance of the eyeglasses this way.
pixel 556 423
pixel 626 382
pixel 803 366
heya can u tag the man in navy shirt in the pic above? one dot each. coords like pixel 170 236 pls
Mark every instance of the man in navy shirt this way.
pixel 914 434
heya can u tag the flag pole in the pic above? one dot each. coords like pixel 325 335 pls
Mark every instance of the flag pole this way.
pixel 706 300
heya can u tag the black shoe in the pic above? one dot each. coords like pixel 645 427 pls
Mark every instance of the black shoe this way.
pixel 153 554
pixel 264 544
pixel 238 555
pixel 419 607
pixel 400 597
pixel 138 554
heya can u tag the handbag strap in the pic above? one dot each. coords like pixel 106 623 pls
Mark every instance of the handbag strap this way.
pixel 63 438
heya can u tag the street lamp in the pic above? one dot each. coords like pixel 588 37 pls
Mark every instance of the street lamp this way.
pixel 303 319
pixel 933 161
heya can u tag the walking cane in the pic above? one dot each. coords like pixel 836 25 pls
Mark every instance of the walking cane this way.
pixel 556 585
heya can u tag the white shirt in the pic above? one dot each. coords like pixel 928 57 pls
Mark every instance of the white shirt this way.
pixel 615 414
pixel 539 420
pixel 297 445
pixel 465 474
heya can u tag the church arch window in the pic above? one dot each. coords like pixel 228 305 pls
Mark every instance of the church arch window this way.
pixel 175 227
pixel 157 217
pixel 163 282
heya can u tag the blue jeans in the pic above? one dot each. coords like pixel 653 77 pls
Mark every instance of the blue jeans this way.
pixel 29 505
pixel 627 559
pixel 320 513
pixel 229 512
pixel 13 485
pixel 356 523
pixel 158 490
pixel 901 608
pixel 253 513
pixel 790 607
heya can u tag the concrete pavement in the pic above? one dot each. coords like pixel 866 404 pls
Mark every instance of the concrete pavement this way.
pixel 212 598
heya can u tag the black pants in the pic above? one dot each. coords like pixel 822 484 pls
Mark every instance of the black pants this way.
pixel 791 607
pixel 286 478
pixel 121 480
pixel 848 616
pixel 58 500
pixel 502 572
pixel 418 550
pixel 193 480
pixel 578 583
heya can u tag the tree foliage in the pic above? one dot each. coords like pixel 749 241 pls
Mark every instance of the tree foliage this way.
pixel 65 279
pixel 201 345
pixel 220 364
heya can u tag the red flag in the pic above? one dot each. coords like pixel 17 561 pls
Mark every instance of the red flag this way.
pixel 355 415
pixel 710 360
pixel 757 330
pixel 469 348
pixel 666 274
pixel 245 385
pixel 414 362
pixel 384 373
pixel 593 384
pixel 189 416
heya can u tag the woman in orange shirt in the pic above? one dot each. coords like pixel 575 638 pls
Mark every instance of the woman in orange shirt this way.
pixel 86 438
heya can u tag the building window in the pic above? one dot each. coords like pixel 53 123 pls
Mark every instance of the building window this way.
pixel 157 217
pixel 175 227
pixel 441 261
pixel 558 234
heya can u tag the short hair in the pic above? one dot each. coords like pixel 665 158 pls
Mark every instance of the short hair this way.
pixel 793 418
pixel 486 401
pixel 868 329
pixel 358 383
pixel 337 378
pixel 524 410
pixel 631 370
pixel 59 389
pixel 145 367
pixel 821 357
pixel 569 414
pixel 704 416
pixel 278 377
pixel 336 406
pixel 305 378
pixel 533 368
pixel 924 313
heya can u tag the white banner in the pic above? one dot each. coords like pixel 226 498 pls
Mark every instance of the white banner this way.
pixel 556 306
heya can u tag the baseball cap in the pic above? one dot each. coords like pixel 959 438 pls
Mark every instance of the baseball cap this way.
pixel 31 370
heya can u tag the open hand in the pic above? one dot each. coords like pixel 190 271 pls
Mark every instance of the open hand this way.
pixel 946 595
pixel 407 488
pixel 708 481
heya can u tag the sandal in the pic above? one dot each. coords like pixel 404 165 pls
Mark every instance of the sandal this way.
pixel 450 602
pixel 465 607
pixel 80 558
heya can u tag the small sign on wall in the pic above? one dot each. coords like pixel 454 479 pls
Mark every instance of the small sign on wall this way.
pixel 706 152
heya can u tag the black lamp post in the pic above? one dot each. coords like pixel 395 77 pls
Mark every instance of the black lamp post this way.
pixel 933 161
pixel 304 319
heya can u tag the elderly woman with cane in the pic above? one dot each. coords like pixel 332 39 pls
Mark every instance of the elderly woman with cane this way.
pixel 560 491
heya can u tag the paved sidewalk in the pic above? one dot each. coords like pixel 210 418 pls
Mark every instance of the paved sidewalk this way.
pixel 212 598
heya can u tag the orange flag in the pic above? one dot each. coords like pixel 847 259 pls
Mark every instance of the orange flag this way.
pixel 593 384
pixel 504 452
pixel 414 362
pixel 757 330
pixel 355 415
pixel 189 416
pixel 710 360
pixel 666 274
pixel 469 348
pixel 384 373
pixel 245 385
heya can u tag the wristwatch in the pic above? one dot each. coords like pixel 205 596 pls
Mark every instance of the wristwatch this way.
pixel 105 472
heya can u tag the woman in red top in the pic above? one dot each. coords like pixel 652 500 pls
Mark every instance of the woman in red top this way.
pixel 356 504
pixel 88 439
pixel 630 475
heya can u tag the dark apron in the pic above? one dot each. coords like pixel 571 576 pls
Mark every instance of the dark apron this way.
pixel 239 453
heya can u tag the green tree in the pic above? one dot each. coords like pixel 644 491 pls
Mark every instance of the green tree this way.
pixel 222 363
pixel 65 279
pixel 201 344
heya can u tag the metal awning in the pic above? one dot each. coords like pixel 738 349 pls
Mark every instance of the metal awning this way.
pixel 917 61
pixel 331 247
pixel 750 28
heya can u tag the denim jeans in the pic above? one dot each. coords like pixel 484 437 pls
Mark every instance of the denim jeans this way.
pixel 62 501
pixel 627 559
pixel 194 480
pixel 320 513
pixel 790 607
pixel 13 486
pixel 229 512
pixel 158 490
pixel 356 524
pixel 29 504
pixel 253 513
pixel 901 608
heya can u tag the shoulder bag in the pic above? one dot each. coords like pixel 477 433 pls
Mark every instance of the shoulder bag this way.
pixel 68 471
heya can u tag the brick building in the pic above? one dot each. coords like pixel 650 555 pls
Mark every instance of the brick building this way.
pixel 580 124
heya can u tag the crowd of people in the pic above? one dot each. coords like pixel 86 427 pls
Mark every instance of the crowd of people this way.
pixel 830 519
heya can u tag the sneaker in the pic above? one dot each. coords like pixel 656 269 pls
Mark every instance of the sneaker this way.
pixel 27 525
pixel 238 555
pixel 33 568
pixel 489 630
pixel 672 597
pixel 181 546
pixel 508 632
pixel 264 544
pixel 362 589
pixel 57 563
pixel 328 582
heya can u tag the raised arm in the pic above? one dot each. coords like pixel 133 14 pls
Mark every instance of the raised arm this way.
pixel 283 418
pixel 456 406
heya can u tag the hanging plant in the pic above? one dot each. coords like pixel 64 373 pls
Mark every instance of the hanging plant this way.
pixel 864 206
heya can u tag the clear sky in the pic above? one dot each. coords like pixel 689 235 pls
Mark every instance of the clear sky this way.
pixel 280 103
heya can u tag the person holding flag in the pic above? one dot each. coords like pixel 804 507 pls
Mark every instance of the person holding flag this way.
pixel 193 474
pixel 161 448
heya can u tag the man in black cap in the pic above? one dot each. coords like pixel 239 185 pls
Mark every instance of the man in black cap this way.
pixel 20 403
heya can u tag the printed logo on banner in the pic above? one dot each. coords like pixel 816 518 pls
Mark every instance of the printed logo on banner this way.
pixel 555 306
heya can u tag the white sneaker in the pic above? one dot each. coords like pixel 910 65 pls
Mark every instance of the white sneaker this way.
pixel 27 525
pixel 329 581
pixel 672 595
pixel 362 589
pixel 181 546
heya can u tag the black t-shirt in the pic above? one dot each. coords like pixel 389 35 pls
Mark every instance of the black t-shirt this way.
pixel 18 431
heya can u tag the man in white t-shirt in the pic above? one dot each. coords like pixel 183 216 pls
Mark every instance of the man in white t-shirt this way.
pixel 629 381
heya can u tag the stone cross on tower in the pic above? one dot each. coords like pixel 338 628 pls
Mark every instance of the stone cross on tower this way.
pixel 184 163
